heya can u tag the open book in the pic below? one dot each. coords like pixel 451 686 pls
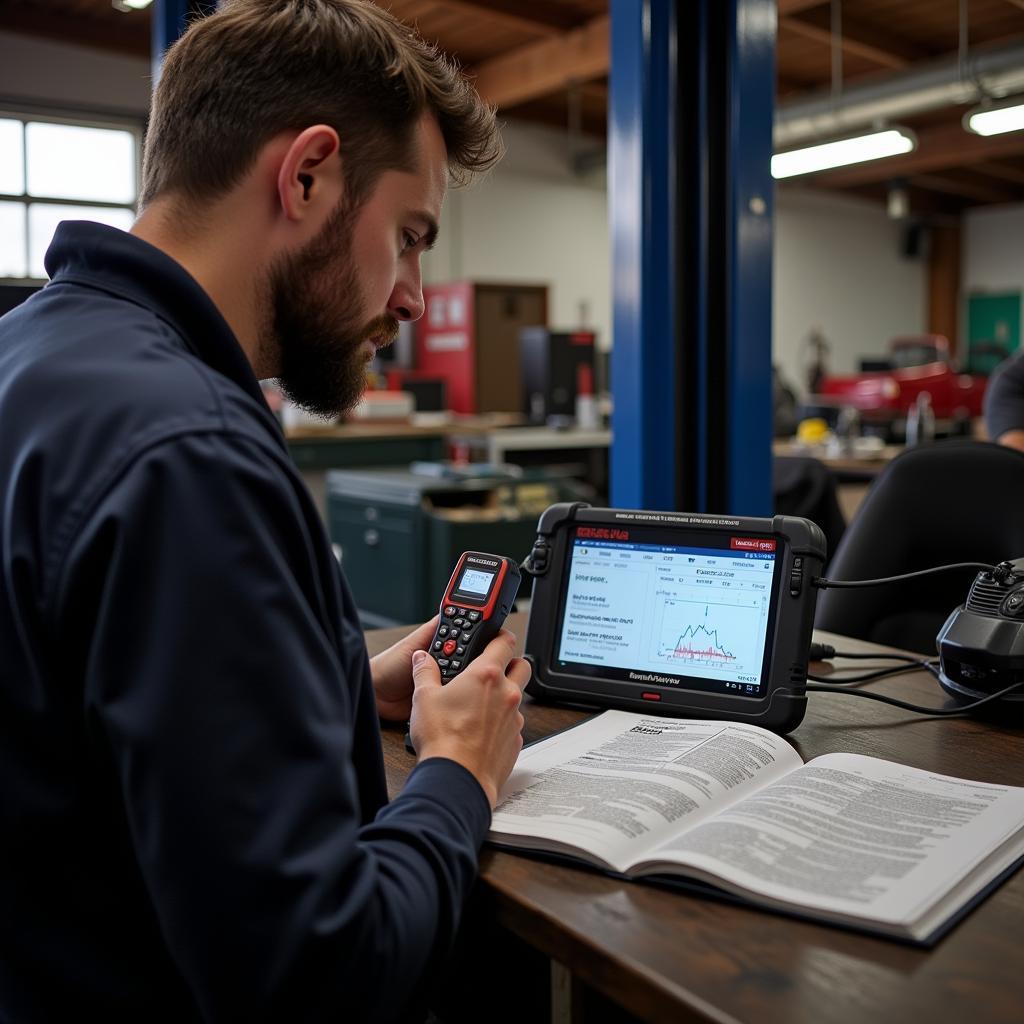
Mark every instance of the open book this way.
pixel 846 839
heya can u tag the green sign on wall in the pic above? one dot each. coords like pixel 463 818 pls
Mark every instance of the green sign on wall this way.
pixel 993 329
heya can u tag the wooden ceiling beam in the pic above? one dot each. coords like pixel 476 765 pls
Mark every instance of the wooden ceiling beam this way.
pixel 547 66
pixel 858 39
pixel 787 7
pixel 132 38
pixel 1015 175
pixel 937 149
pixel 518 15
pixel 952 185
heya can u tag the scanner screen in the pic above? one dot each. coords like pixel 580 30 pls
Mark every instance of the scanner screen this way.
pixel 670 614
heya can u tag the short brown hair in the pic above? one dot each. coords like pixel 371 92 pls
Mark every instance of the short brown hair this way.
pixel 257 68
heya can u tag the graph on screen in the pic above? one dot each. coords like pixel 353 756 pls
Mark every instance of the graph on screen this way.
pixel 697 633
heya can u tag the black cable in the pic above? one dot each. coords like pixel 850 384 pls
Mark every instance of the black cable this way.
pixel 825 584
pixel 881 673
pixel 916 708
pixel 826 652
pixel 867 656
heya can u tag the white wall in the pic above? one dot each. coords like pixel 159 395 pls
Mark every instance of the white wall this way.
pixel 531 220
pixel 993 249
pixel 77 77
pixel 838 266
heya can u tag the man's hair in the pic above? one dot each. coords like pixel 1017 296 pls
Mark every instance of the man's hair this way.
pixel 257 68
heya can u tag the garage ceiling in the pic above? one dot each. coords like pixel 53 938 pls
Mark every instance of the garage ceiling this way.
pixel 547 61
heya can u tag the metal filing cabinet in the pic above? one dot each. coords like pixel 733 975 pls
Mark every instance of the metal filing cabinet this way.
pixel 399 533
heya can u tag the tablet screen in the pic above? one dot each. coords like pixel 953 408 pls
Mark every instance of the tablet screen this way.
pixel 669 608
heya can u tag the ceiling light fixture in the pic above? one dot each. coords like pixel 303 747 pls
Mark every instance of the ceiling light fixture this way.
pixel 130 5
pixel 996 118
pixel 855 149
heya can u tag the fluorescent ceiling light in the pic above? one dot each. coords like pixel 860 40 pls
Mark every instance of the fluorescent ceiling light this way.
pixel 841 152
pixel 130 5
pixel 996 118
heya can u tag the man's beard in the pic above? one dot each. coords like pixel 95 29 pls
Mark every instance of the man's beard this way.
pixel 316 324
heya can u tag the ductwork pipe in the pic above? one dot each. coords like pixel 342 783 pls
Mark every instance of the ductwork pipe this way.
pixel 927 86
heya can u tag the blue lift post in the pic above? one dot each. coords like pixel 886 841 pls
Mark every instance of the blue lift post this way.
pixel 170 18
pixel 691 197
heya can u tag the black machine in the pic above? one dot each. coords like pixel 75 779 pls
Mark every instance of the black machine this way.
pixel 694 615
pixel 476 601
pixel 981 646
pixel 555 366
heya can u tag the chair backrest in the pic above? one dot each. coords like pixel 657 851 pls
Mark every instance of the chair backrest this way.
pixel 954 501
pixel 806 487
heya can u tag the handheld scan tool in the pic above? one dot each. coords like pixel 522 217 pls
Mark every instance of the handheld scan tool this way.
pixel 683 614
pixel 478 597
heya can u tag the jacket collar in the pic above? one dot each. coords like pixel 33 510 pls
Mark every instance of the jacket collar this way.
pixel 121 264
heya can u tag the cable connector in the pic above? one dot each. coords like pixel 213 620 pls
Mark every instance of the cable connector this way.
pixel 820 652
pixel 1002 572
pixel 536 563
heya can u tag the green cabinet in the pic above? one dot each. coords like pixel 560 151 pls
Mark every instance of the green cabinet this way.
pixel 398 534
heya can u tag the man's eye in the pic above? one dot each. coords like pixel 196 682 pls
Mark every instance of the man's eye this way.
pixel 410 241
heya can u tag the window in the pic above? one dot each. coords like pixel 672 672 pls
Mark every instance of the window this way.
pixel 58 168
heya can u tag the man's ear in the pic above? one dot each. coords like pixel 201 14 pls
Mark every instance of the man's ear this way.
pixel 309 180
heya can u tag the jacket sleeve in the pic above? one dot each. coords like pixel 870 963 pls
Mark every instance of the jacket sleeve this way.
pixel 1004 398
pixel 215 689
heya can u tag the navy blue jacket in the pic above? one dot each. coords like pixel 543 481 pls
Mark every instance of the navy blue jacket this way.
pixel 193 818
pixel 1004 398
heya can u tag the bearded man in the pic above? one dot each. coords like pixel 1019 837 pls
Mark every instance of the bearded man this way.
pixel 192 801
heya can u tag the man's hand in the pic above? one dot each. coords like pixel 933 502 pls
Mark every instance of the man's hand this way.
pixel 475 719
pixel 392 673
pixel 1013 439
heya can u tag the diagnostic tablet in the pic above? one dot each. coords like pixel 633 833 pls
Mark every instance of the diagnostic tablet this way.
pixel 694 615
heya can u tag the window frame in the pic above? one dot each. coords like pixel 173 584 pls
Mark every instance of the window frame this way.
pixel 26 113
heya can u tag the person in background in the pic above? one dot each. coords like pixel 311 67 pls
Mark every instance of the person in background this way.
pixel 192 795
pixel 1004 403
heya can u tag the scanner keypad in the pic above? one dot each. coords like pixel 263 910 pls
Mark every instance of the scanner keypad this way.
pixel 454 632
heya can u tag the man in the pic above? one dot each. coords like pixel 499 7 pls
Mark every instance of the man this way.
pixel 1004 403
pixel 192 799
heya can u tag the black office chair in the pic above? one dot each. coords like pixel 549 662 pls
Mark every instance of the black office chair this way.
pixel 955 501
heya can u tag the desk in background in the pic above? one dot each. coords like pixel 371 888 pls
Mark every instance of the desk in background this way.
pixel 854 475
pixel 352 445
pixel 498 438
pixel 583 453
pixel 665 956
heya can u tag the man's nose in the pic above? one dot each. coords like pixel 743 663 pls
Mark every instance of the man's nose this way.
pixel 407 300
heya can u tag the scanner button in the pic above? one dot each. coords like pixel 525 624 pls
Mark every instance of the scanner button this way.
pixel 442 630
pixel 651 696
pixel 443 662
pixel 449 610
pixel 437 645
pixel 465 638
pixel 449 646
pixel 460 611
pixel 460 651
pixel 473 616
pixel 458 623
pixel 798 562
pixel 456 664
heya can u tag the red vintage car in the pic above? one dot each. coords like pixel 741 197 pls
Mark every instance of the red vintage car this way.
pixel 915 364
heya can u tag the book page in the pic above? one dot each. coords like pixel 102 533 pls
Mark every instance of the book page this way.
pixel 621 783
pixel 855 835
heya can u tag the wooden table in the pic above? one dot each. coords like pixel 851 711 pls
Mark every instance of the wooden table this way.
pixel 854 475
pixel 666 956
